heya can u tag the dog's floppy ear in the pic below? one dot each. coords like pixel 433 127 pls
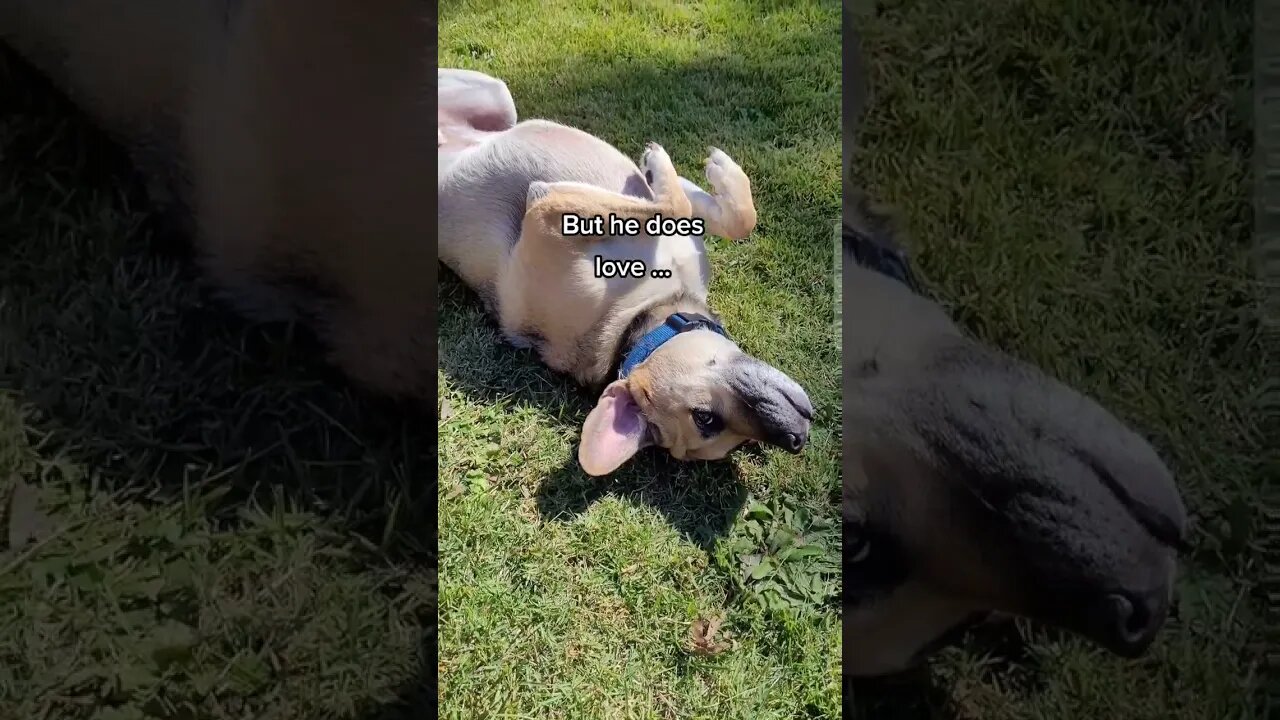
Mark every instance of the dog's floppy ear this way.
pixel 613 432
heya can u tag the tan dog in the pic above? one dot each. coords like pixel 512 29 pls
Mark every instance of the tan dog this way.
pixel 291 135
pixel 681 383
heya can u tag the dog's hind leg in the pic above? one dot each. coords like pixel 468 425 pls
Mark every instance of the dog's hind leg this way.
pixel 730 212
pixel 547 203
pixel 474 99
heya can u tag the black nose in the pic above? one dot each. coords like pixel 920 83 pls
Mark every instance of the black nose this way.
pixel 795 441
pixel 1132 620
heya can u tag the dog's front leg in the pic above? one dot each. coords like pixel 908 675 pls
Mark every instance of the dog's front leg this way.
pixel 547 203
pixel 730 212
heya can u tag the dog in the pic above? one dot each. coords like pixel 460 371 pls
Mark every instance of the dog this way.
pixel 974 485
pixel 288 139
pixel 671 374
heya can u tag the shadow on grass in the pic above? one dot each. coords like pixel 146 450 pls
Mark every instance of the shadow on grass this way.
pixel 911 696
pixel 922 693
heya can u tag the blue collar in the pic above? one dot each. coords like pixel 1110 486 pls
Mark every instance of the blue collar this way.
pixel 671 327
pixel 885 258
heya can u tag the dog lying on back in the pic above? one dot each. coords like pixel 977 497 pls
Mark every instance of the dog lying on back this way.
pixel 670 373
pixel 290 136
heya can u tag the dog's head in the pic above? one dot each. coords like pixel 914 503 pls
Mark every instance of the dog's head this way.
pixel 975 483
pixel 699 396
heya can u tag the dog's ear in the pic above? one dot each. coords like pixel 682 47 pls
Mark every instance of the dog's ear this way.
pixel 613 432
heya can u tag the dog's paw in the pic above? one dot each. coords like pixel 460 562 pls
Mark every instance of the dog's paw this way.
pixel 732 191
pixel 726 178
pixel 658 169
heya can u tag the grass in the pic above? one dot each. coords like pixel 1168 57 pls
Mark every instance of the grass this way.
pixel 1074 181
pixel 567 596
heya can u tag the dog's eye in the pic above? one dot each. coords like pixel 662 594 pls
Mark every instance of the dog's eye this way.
pixel 708 422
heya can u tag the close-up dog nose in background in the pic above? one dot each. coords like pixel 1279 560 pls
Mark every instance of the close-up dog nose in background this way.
pixel 981 492
pixel 1129 622
pixel 1082 509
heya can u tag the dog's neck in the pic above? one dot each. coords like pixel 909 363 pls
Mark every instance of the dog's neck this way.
pixel 646 319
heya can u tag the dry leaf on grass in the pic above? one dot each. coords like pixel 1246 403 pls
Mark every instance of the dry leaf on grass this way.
pixel 702 637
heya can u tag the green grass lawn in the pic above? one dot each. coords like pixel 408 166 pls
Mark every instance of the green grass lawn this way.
pixel 1074 182
pixel 567 596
